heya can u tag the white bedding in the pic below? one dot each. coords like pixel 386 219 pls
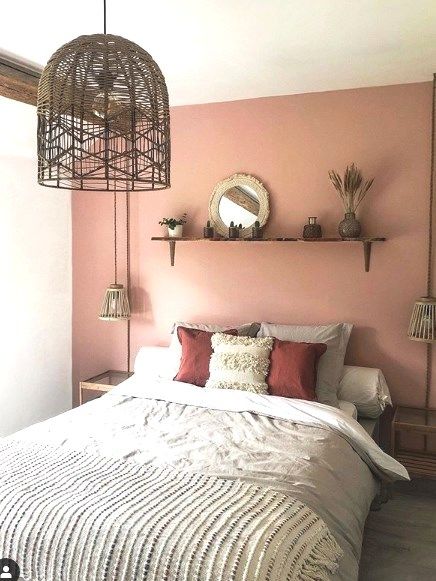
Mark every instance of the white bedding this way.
pixel 299 411
pixel 310 451
pixel 348 408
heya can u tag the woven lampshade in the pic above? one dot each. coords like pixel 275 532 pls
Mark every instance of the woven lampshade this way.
pixel 103 117
pixel 422 325
pixel 115 304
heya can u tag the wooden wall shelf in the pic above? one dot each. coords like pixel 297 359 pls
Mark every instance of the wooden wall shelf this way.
pixel 366 243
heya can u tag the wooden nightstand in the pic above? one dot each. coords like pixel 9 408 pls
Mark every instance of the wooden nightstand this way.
pixel 100 384
pixel 416 421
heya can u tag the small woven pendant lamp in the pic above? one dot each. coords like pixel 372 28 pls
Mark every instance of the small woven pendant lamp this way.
pixel 116 305
pixel 103 117
pixel 422 325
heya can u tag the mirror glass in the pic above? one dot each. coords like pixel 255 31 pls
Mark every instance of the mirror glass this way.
pixel 240 205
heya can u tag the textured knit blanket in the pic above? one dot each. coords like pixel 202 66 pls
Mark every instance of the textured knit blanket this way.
pixel 66 515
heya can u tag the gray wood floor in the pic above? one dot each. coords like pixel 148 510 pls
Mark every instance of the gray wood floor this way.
pixel 400 540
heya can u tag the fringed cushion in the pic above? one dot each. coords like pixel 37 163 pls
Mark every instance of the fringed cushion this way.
pixel 240 363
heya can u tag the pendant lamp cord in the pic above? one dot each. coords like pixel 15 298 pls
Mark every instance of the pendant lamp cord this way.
pixel 430 244
pixel 104 16
pixel 128 273
pixel 127 260
pixel 115 238
pixel 430 220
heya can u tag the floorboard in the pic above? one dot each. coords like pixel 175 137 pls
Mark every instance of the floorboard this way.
pixel 400 539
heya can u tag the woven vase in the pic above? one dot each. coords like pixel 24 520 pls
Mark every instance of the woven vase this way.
pixel 349 227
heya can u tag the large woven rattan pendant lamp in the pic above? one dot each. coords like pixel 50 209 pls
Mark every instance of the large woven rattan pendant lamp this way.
pixel 103 117
pixel 422 325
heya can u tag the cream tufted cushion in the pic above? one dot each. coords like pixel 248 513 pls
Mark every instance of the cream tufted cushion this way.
pixel 239 363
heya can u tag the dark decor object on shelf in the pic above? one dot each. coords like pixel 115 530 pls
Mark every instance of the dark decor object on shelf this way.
pixel 349 227
pixel 256 231
pixel 312 229
pixel 352 189
pixel 233 230
pixel 208 230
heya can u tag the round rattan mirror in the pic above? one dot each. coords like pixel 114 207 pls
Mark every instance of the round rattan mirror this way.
pixel 241 199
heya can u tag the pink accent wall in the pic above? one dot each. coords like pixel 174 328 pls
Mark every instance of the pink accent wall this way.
pixel 289 143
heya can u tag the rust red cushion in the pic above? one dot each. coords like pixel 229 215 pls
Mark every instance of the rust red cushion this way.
pixel 293 369
pixel 196 354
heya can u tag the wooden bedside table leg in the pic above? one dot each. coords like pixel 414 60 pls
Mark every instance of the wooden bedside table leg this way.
pixel 393 450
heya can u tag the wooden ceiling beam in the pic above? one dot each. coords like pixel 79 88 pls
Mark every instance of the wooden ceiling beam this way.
pixel 18 82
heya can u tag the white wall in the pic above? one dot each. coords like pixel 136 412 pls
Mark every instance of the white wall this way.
pixel 35 280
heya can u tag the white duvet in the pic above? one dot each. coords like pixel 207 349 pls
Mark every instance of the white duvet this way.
pixel 294 410
pixel 313 452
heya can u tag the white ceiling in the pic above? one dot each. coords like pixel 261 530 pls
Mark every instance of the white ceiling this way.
pixel 221 50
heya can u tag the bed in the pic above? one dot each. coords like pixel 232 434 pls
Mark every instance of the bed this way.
pixel 164 480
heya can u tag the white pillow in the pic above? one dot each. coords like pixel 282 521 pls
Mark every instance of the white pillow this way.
pixel 155 362
pixel 366 388
pixel 348 408
pixel 239 363
pixel 330 364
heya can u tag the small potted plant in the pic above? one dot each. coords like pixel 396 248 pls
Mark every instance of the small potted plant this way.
pixel 208 230
pixel 175 226
pixel 352 189
pixel 233 230
pixel 256 230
